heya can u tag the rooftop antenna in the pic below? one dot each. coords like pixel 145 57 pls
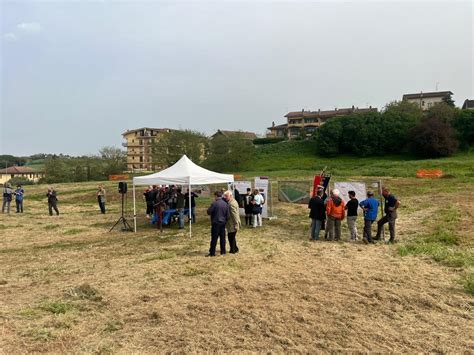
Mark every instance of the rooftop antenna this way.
pixel 437 83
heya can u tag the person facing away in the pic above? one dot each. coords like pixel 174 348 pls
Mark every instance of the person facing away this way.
pixel 336 213
pixel 317 214
pixel 101 198
pixel 248 207
pixel 52 201
pixel 390 209
pixel 219 213
pixel 149 196
pixel 351 207
pixel 370 207
pixel 7 198
pixel 258 200
pixel 193 204
pixel 180 207
pixel 19 192
pixel 233 223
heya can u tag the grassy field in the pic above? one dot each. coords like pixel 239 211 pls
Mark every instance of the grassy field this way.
pixel 68 285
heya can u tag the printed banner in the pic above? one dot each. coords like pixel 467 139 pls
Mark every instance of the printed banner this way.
pixel 358 187
pixel 242 186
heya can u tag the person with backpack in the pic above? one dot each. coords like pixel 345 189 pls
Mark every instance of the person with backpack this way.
pixel 19 192
pixel 257 202
pixel 7 198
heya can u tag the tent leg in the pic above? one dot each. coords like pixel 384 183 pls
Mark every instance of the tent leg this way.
pixel 134 211
pixel 189 209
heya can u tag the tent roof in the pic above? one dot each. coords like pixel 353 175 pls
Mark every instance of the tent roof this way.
pixel 184 172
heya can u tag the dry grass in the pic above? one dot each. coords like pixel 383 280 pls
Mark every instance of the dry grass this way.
pixel 67 285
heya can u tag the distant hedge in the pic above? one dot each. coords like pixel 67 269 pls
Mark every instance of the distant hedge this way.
pixel 268 140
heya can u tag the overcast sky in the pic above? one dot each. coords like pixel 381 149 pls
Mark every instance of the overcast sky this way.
pixel 75 75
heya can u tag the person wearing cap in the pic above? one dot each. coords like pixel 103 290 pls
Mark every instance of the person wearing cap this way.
pixel 317 213
pixel 390 208
pixel 336 213
pixel 370 206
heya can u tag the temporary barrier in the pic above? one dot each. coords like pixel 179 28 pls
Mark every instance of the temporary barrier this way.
pixel 120 177
pixel 429 173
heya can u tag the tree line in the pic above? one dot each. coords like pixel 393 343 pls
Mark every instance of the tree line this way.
pixel 400 128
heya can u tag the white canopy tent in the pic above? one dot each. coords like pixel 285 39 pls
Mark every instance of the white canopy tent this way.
pixel 183 172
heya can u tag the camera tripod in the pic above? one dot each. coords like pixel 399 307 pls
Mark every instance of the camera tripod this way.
pixel 126 225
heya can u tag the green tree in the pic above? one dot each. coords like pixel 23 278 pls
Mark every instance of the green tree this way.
pixel 443 111
pixel 329 137
pixel 171 146
pixel 228 154
pixel 463 123
pixel 449 100
pixel 433 138
pixel 113 160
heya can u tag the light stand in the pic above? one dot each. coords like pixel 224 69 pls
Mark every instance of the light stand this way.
pixel 126 225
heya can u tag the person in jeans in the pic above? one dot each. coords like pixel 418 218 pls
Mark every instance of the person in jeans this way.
pixel 101 198
pixel 233 223
pixel 219 212
pixel 390 209
pixel 351 208
pixel 336 214
pixel 370 207
pixel 257 201
pixel 7 198
pixel 19 192
pixel 180 207
pixel 317 214
pixel 52 201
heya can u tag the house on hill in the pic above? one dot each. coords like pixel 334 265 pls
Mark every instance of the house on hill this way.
pixel 139 147
pixel 307 122
pixel 22 172
pixel 468 105
pixel 425 100
pixel 230 134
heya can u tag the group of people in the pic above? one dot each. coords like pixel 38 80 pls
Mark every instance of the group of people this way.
pixel 328 212
pixel 8 194
pixel 160 198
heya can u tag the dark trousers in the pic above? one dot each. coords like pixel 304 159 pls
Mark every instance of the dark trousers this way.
pixel 101 205
pixel 19 206
pixel 53 206
pixel 368 230
pixel 232 242
pixel 390 219
pixel 149 207
pixel 217 232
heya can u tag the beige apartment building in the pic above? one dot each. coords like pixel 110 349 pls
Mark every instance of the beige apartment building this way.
pixel 426 100
pixel 305 123
pixel 139 147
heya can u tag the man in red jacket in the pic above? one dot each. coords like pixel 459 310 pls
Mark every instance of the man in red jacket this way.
pixel 335 210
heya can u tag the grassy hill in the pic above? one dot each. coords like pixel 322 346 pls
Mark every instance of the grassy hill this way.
pixel 299 158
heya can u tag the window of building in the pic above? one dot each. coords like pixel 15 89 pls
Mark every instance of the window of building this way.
pixel 141 159
pixel 430 104
pixel 422 103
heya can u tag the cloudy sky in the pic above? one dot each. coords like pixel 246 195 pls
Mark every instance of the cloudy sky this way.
pixel 76 74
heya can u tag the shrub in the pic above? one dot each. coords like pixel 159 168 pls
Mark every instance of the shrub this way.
pixel 268 140
pixel 433 138
pixel 463 123
pixel 20 181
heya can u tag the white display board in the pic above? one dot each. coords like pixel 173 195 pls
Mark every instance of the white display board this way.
pixel 358 187
pixel 261 183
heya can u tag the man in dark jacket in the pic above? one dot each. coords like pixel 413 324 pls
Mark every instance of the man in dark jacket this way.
pixel 52 201
pixel 219 212
pixel 317 214
pixel 390 209
pixel 193 204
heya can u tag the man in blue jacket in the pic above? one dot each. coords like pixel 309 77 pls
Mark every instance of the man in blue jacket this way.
pixel 219 212
pixel 370 207
pixel 19 192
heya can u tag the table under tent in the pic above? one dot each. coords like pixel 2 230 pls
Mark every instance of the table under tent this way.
pixel 185 173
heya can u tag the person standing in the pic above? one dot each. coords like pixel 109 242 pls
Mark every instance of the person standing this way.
pixel 370 207
pixel 233 223
pixel 257 201
pixel 193 204
pixel 52 201
pixel 351 208
pixel 219 212
pixel 101 198
pixel 248 207
pixel 317 214
pixel 7 198
pixel 149 195
pixel 336 213
pixel 19 192
pixel 180 207
pixel 390 209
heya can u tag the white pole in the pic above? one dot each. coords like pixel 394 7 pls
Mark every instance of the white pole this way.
pixel 134 211
pixel 189 208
